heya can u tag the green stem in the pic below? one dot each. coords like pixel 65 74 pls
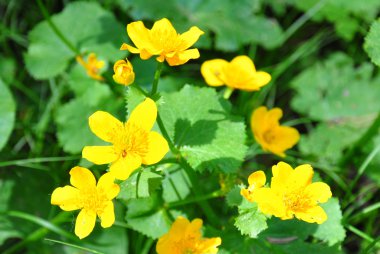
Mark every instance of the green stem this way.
pixel 74 246
pixel 138 181
pixel 166 135
pixel 157 75
pixel 38 160
pixel 38 234
pixel 148 244
pixel 140 89
pixel 303 19
pixel 46 15
pixel 215 194
pixel 361 142
pixel 366 210
pixel 360 233
pixel 227 93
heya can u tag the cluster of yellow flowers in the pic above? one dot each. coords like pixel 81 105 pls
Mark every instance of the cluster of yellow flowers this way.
pixel 133 143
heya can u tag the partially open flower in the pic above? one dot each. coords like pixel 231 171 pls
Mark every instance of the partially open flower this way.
pixel 124 74
pixel 92 66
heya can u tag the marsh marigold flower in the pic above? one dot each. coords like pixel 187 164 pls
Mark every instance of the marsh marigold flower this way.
pixel 93 199
pixel 240 73
pixel 291 193
pixel 92 66
pixel 185 237
pixel 124 74
pixel 133 143
pixel 270 134
pixel 164 41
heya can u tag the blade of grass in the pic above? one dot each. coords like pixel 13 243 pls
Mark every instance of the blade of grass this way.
pixel 74 246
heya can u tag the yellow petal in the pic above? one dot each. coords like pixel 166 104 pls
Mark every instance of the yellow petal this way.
pixel 178 227
pixel 257 179
pixel 281 172
pixel 107 185
pixel 81 178
pixel 139 35
pixel 123 167
pixel 99 154
pixel 85 223
pixel 269 202
pixel 262 78
pixel 182 57
pixel 273 116
pixel 157 148
pixel 104 125
pixel 144 115
pixel 107 218
pixel 244 63
pixel 130 48
pixel 315 214
pixel 66 197
pixel 258 119
pixel 285 138
pixel 190 37
pixel 195 227
pixel 212 71
pixel 318 191
pixel 163 27
pixel 209 245
pixel 301 176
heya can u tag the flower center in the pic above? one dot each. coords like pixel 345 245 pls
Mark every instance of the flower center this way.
pixel 166 40
pixel 93 200
pixel 297 201
pixel 269 136
pixel 132 139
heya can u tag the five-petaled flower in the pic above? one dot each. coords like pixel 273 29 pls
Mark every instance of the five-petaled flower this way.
pixel 124 74
pixel 164 41
pixel 92 66
pixel 185 237
pixel 240 73
pixel 133 143
pixel 291 193
pixel 270 134
pixel 94 200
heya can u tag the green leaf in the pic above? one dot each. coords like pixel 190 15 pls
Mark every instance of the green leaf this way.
pixel 303 247
pixel 232 23
pixel 372 43
pixel 146 216
pixel 208 136
pixel 86 25
pixel 7 114
pixel 148 182
pixel 7 69
pixel 250 220
pixel 234 198
pixel 176 185
pixel 331 231
pixel 72 118
pixel 288 230
pixel 336 90
pixel 326 143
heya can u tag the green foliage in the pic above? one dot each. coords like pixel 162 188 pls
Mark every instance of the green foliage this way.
pixel 208 136
pixel 87 26
pixel 332 230
pixel 232 22
pixel 233 197
pixel 176 185
pixel 250 220
pixel 139 185
pixel 7 69
pixel 372 41
pixel 7 113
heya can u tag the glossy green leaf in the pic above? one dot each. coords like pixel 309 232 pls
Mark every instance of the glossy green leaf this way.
pixel 86 25
pixel 208 136
pixel 372 42
pixel 250 220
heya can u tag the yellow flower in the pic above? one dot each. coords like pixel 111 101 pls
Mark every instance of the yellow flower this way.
pixel 91 198
pixel 293 194
pixel 240 73
pixel 270 134
pixel 92 66
pixel 133 143
pixel 124 74
pixel 256 181
pixel 185 237
pixel 164 41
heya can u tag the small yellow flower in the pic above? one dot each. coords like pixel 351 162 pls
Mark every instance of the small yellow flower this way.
pixel 256 181
pixel 185 237
pixel 292 193
pixel 270 134
pixel 240 73
pixel 164 41
pixel 94 200
pixel 133 143
pixel 124 74
pixel 92 66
